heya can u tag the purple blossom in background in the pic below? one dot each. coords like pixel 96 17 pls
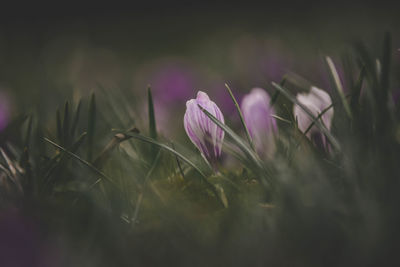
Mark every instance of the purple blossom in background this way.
pixel 225 100
pixel 172 83
pixel 257 114
pixel 274 65
pixel 319 74
pixel 316 100
pixel 203 132
pixel 4 110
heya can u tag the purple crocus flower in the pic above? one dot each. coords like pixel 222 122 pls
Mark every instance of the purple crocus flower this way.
pixel 203 132
pixel 257 114
pixel 316 100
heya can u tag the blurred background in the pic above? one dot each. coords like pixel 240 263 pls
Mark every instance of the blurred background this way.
pixel 51 51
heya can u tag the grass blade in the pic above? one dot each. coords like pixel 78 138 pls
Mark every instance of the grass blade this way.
pixel 249 139
pixel 91 127
pixel 76 118
pixel 357 89
pixel 338 85
pixel 59 127
pixel 141 194
pixel 236 138
pixel 66 125
pixel 88 164
pixel 28 132
pixel 182 157
pixel 152 122
pixel 169 149
pixel 274 98
pixel 317 118
pixel 152 118
pixel 385 70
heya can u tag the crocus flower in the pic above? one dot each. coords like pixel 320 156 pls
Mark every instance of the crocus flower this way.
pixel 316 100
pixel 202 131
pixel 257 114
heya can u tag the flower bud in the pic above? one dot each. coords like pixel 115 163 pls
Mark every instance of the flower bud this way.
pixel 316 100
pixel 257 114
pixel 202 131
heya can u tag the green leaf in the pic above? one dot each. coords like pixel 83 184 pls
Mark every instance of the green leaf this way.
pixel 141 194
pixel 152 118
pixel 91 127
pixel 249 139
pixel 368 64
pixel 76 118
pixel 28 132
pixel 88 164
pixel 59 126
pixel 169 149
pixel 152 122
pixel 222 195
pixel 182 157
pixel 386 60
pixel 338 85
pixel 357 89
pixel 78 142
pixel 274 98
pixel 66 125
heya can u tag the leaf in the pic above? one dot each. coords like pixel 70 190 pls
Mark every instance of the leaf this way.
pixel 94 169
pixel 385 69
pixel 338 85
pixel 76 118
pixel 163 146
pixel 152 122
pixel 368 64
pixel 66 125
pixel 222 195
pixel 178 162
pixel 141 194
pixel 182 157
pixel 249 139
pixel 78 142
pixel 152 118
pixel 357 89
pixel 28 131
pixel 277 93
pixel 91 126
pixel 59 126
pixel 106 153
pixel 281 119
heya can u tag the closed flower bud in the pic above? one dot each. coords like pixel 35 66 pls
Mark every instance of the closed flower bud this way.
pixel 316 100
pixel 257 114
pixel 202 131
